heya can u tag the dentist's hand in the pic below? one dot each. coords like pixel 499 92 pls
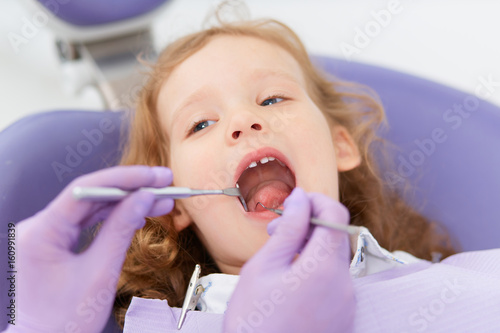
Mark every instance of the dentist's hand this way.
pixel 60 291
pixel 279 292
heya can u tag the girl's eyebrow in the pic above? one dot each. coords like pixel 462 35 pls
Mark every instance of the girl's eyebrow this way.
pixel 261 74
pixel 196 97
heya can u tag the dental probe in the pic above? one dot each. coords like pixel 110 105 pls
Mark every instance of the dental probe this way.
pixel 350 229
pixel 172 192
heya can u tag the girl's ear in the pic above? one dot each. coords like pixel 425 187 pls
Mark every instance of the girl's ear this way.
pixel 181 218
pixel 346 150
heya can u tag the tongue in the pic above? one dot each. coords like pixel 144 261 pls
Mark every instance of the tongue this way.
pixel 271 194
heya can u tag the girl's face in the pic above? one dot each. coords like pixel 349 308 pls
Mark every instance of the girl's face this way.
pixel 238 111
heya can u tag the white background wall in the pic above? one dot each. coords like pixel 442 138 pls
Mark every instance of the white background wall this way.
pixel 454 42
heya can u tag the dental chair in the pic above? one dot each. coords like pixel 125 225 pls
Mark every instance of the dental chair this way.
pixel 98 43
pixel 448 144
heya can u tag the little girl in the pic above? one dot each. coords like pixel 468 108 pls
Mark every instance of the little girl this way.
pixel 241 104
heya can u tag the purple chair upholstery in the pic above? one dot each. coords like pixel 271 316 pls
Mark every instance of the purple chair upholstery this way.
pixel 449 149
pixel 453 161
pixel 95 12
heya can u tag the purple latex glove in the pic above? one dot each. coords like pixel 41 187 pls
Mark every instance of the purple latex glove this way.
pixel 60 291
pixel 280 292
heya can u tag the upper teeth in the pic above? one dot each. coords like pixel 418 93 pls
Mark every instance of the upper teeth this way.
pixel 264 160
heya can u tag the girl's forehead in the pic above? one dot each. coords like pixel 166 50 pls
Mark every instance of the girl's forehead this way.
pixel 229 61
pixel 229 56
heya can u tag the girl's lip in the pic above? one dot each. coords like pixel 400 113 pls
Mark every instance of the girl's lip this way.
pixel 256 156
pixel 263 216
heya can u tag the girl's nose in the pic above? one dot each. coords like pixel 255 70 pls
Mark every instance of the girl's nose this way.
pixel 254 127
pixel 244 123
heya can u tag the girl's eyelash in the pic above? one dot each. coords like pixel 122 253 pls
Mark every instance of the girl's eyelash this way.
pixel 191 128
pixel 274 96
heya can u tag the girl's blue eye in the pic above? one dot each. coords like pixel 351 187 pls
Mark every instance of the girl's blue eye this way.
pixel 202 124
pixel 272 100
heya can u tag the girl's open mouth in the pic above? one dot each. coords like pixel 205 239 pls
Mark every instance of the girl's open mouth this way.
pixel 267 180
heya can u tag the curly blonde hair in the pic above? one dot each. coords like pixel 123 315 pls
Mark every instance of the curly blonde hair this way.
pixel 160 259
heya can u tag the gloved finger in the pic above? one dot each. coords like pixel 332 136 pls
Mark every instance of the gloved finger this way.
pixel 326 208
pixel 115 235
pixel 73 212
pixel 326 246
pixel 290 233
pixel 161 207
pixel 100 211
pixel 127 177
pixel 97 213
